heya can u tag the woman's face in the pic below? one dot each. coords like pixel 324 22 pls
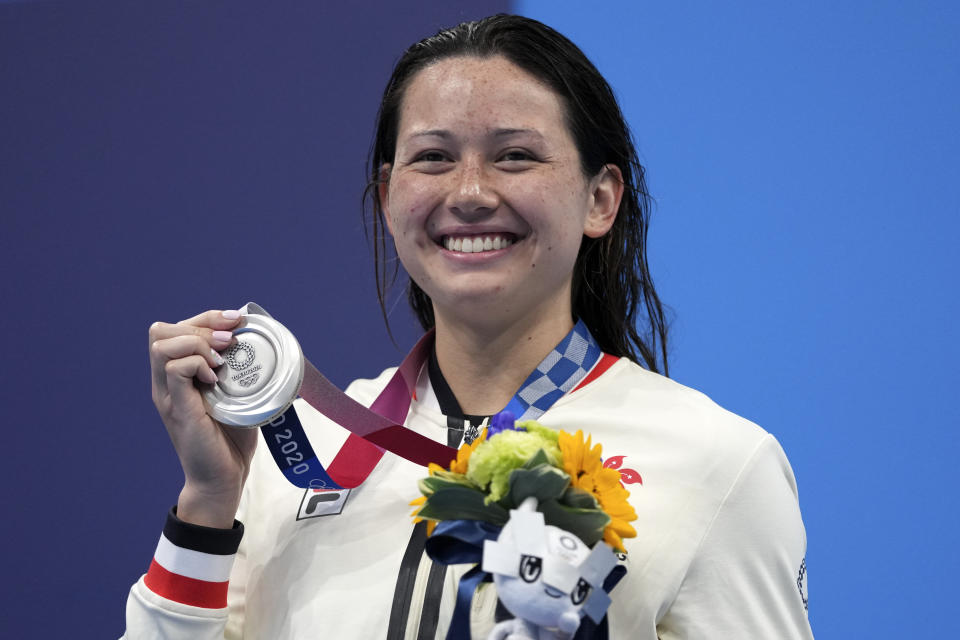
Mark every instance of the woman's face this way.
pixel 485 199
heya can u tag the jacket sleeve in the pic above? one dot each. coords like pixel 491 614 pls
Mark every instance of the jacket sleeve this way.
pixel 748 577
pixel 184 592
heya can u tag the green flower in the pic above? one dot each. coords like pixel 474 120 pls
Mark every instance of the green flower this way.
pixel 491 463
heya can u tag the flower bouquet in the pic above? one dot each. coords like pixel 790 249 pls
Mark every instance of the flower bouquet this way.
pixel 549 517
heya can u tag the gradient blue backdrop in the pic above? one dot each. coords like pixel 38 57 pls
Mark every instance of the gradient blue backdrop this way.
pixel 161 158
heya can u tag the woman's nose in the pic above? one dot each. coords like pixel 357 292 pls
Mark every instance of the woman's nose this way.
pixel 472 193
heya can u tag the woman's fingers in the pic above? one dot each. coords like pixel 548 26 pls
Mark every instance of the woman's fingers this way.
pixel 163 330
pixel 203 335
pixel 214 319
pixel 166 350
pixel 187 345
pixel 180 374
pixel 214 326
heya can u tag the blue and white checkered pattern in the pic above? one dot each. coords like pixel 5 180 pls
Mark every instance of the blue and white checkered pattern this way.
pixel 560 371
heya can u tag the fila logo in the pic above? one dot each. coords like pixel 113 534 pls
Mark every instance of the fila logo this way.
pixel 322 502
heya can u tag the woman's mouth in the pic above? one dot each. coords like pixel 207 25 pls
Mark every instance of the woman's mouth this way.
pixel 478 243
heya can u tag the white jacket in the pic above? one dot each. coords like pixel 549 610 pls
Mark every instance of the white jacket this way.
pixel 719 551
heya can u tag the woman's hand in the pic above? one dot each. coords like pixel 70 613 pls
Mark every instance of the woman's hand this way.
pixel 215 458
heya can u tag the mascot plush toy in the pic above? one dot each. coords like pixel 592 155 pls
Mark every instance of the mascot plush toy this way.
pixel 546 577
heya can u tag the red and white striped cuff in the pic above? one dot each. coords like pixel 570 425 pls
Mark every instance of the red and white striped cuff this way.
pixel 192 564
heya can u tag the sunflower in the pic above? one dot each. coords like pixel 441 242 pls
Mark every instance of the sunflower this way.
pixel 582 462
pixel 457 465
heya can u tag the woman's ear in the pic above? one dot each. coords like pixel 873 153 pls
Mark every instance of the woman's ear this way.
pixel 383 193
pixel 606 191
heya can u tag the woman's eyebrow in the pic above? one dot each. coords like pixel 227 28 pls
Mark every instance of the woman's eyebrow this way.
pixel 439 133
pixel 500 133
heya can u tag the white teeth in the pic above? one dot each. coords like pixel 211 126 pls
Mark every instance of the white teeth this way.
pixel 476 244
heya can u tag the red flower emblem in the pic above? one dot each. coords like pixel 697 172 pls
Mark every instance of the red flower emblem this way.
pixel 628 476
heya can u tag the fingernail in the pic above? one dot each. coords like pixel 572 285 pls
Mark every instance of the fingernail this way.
pixel 222 336
pixel 210 376
pixel 230 314
pixel 216 357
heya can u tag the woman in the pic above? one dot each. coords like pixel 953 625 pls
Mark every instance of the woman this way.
pixel 504 172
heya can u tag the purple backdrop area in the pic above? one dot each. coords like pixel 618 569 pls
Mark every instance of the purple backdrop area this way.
pixel 159 159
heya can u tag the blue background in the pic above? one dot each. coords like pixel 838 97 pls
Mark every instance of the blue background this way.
pixel 806 162
pixel 159 160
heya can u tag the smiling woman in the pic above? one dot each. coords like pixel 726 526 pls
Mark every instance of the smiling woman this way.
pixel 506 177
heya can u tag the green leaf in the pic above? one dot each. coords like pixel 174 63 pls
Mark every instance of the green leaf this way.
pixel 540 457
pixel 425 488
pixel 543 482
pixel 457 502
pixel 579 499
pixel 434 483
pixel 586 524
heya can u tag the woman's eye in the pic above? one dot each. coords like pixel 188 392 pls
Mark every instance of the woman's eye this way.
pixel 430 156
pixel 530 568
pixel 516 155
pixel 580 592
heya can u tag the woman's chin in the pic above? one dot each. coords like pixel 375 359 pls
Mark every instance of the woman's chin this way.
pixel 475 303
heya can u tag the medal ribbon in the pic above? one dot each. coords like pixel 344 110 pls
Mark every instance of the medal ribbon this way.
pixel 381 427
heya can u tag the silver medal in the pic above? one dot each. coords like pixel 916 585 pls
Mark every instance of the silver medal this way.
pixel 261 374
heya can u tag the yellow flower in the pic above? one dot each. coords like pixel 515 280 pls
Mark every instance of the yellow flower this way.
pixel 458 465
pixel 419 502
pixel 582 462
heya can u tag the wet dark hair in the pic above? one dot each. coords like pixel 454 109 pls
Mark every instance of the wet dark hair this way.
pixel 611 277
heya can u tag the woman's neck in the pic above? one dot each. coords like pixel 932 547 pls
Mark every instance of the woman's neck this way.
pixel 486 364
